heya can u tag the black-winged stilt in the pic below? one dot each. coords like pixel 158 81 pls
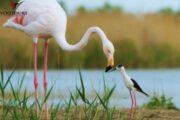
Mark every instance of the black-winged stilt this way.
pixel 131 84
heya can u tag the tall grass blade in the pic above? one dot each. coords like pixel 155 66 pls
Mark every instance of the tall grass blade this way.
pixel 1 88
pixel 39 105
pixel 93 101
pixel 82 83
pixel 16 95
pixel 9 78
pixel 49 92
pixel 6 111
pixel 91 104
pixel 20 83
pixel 54 112
pixel 2 82
pixel 2 76
pixel 104 84
pixel 13 91
pixel 15 114
pixel 110 93
pixel 69 104
pixel 81 95
pixel 25 99
pixel 101 101
pixel 73 99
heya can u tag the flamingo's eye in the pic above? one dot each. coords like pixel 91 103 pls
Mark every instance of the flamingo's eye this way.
pixel 108 51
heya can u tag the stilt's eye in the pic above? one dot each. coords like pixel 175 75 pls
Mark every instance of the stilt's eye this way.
pixel 119 66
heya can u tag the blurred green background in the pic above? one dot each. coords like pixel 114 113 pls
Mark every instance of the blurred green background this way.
pixel 149 40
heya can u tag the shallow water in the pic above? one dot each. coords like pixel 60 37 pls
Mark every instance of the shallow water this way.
pixel 152 81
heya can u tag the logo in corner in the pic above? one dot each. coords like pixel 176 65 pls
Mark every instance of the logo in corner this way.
pixel 13 6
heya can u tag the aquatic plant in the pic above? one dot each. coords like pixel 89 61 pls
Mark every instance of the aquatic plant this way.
pixel 161 102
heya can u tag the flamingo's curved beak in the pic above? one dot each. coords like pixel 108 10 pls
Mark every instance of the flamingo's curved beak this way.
pixel 110 64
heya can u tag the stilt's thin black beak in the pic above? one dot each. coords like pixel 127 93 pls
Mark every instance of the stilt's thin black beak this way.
pixel 110 69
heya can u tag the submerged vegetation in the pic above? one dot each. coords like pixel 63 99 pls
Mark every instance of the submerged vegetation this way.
pixel 18 105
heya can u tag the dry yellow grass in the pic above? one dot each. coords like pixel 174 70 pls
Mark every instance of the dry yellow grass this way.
pixel 138 30
pixel 119 26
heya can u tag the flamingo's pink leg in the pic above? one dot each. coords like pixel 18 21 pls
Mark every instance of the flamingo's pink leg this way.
pixel 35 76
pixel 15 19
pixel 45 70
pixel 21 20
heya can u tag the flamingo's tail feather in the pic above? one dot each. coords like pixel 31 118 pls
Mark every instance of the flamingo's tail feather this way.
pixel 8 24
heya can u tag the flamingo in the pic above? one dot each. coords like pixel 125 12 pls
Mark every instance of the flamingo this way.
pixel 132 86
pixel 45 19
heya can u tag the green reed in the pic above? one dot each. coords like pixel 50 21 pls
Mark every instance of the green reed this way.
pixel 17 106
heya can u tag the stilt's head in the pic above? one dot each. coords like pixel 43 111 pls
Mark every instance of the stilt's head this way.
pixel 118 67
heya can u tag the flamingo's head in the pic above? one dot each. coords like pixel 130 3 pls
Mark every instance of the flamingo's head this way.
pixel 108 49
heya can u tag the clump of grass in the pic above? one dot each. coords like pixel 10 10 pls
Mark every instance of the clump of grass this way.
pixel 95 108
pixel 161 102
pixel 107 95
pixel 86 106
pixel 104 101
pixel 18 106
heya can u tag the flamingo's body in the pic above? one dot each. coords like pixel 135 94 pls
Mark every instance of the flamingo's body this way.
pixel 45 19
pixel 132 86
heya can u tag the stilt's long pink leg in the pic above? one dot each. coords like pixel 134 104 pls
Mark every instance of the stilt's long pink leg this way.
pixel 134 95
pixel 45 70
pixel 132 102
pixel 35 76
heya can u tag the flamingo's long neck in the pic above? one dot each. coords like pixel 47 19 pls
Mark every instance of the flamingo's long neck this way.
pixel 61 39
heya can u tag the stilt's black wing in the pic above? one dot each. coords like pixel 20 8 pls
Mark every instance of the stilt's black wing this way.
pixel 138 88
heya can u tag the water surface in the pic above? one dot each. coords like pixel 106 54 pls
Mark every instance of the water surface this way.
pixel 152 81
